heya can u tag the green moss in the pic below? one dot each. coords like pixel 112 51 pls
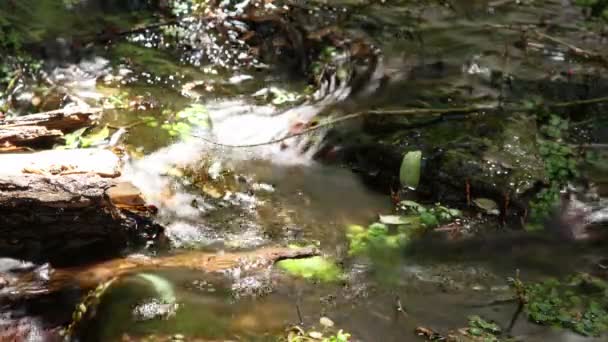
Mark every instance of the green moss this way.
pixel 315 268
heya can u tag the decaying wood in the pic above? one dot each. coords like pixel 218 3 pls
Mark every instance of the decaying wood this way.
pixel 65 119
pixel 55 217
pixel 87 277
pixel 61 162
pixel 46 128
pixel 52 191
pixel 28 135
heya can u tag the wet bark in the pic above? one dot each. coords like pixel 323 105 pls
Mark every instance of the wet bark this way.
pixel 57 218
pixel 28 135
pixel 90 276
pixel 44 129
pixel 62 206
pixel 65 119
pixel 99 162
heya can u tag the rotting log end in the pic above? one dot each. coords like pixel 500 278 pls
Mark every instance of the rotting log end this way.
pixel 55 218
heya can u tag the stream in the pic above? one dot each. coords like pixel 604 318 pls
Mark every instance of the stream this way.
pixel 181 99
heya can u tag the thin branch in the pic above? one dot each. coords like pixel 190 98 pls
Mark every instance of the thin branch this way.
pixel 443 112
pixel 405 111
pixel 106 36
pixel 572 49
pixel 594 100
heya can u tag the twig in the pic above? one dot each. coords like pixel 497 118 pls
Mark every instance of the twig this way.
pixel 443 112
pixel 573 49
pixel 522 298
pixel 399 306
pixel 593 146
pixel 405 111
pixel 127 126
pixel 520 309
pixel 496 302
pixel 299 314
pixel 106 36
pixel 594 100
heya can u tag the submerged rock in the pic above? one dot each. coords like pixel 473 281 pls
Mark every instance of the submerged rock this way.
pixel 252 286
pixel 154 309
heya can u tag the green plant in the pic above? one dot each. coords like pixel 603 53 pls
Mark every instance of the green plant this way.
pixel 376 238
pixel 482 330
pixel 561 166
pixel 580 303
pixel 329 60
pixel 78 138
pixel 430 216
pixel 599 8
pixel 181 124
pixel 10 39
pixel 412 218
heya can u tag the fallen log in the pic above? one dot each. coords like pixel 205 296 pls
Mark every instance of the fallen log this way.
pixel 55 204
pixel 47 128
pixel 28 135
pixel 100 162
pixel 65 119
pixel 88 277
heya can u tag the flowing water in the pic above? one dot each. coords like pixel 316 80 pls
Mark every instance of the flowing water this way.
pixel 279 194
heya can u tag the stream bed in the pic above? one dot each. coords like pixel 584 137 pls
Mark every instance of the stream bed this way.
pixel 180 106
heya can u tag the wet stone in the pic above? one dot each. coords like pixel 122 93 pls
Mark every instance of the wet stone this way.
pixel 125 194
pixel 154 309
pixel 251 287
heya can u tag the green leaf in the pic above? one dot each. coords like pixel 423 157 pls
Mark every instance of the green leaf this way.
pixel 72 140
pixel 429 220
pixel 95 138
pixel 409 173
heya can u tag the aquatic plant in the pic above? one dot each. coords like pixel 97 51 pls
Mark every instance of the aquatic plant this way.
pixel 477 330
pixel 412 218
pixel 578 303
pixel 482 330
pixel 183 122
pixel 314 268
pixel 80 138
pixel 88 304
pixel 561 166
